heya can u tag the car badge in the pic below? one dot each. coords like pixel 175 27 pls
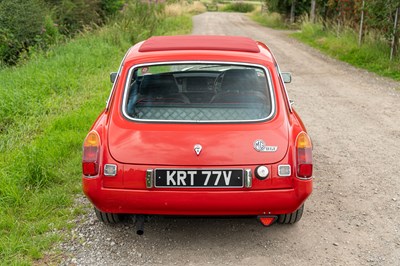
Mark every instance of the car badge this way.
pixel 197 148
pixel 259 145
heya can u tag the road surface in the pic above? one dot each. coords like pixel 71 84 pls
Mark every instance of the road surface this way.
pixel 353 215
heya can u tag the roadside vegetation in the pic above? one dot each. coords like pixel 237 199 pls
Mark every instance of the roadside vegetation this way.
pixel 242 7
pixel 47 105
pixel 269 19
pixel 29 26
pixel 372 55
pixel 362 33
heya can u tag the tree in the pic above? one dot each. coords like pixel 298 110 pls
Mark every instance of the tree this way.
pixel 312 11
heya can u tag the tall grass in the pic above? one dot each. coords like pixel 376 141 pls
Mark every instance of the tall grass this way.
pixel 239 7
pixel 342 44
pixel 184 7
pixel 46 109
pixel 269 19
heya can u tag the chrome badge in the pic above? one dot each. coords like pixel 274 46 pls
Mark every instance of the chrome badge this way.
pixel 259 145
pixel 197 148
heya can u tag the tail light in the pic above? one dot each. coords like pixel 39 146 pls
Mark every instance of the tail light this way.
pixel 304 156
pixel 91 154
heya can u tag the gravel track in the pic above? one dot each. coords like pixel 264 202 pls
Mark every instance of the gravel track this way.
pixel 353 215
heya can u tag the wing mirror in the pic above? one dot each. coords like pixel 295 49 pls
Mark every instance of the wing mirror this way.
pixel 287 77
pixel 113 76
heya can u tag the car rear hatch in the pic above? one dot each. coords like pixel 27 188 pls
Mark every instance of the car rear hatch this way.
pixel 165 144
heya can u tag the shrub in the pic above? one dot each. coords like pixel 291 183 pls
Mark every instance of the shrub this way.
pixel 239 7
pixel 110 7
pixel 74 15
pixel 21 26
pixel 272 20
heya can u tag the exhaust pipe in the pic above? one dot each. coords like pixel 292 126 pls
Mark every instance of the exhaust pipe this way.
pixel 140 224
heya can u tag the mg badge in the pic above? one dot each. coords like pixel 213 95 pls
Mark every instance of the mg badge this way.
pixel 197 149
pixel 259 145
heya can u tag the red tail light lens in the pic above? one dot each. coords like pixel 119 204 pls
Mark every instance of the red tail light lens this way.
pixel 91 154
pixel 304 156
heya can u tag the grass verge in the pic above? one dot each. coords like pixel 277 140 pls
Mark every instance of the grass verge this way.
pixel 46 108
pixel 372 55
pixel 241 7
pixel 271 20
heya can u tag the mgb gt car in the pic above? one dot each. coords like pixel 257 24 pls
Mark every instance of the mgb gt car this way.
pixel 198 126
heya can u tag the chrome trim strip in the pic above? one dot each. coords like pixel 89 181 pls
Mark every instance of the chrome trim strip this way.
pixel 268 76
pixel 286 92
pixel 116 78
pixel 305 178
pixel 248 178
pixel 149 178
pixel 284 85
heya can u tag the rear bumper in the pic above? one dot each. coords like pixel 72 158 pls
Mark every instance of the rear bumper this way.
pixel 197 202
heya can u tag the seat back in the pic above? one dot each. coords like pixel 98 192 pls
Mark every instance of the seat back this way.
pixel 241 86
pixel 239 80
pixel 158 85
pixel 161 88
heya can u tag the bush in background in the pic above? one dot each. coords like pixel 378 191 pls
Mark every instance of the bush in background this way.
pixel 73 15
pixel 269 19
pixel 110 7
pixel 27 26
pixel 23 24
pixel 239 7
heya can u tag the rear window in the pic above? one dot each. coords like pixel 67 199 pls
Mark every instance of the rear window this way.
pixel 198 92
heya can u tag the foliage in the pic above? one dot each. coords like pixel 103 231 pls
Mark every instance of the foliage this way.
pixel 272 20
pixel 181 7
pixel 372 55
pixel 381 16
pixel 346 14
pixel 239 7
pixel 379 13
pixel 30 25
pixel 73 15
pixel 46 108
pixel 22 25
pixel 110 7
pixel 283 7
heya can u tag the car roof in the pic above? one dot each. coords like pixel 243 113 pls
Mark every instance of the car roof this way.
pixel 199 47
pixel 200 42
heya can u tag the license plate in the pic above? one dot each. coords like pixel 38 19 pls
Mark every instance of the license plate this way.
pixel 198 178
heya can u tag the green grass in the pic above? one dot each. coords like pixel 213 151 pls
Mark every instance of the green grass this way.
pixel 372 55
pixel 271 20
pixel 46 108
pixel 238 7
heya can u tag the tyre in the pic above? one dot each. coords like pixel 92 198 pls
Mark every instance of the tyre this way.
pixel 291 218
pixel 107 218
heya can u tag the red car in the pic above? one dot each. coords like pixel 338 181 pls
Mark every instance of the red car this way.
pixel 198 125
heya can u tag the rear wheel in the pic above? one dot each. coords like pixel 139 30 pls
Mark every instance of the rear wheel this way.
pixel 107 218
pixel 291 218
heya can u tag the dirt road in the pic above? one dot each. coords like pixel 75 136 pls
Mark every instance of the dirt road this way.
pixel 353 216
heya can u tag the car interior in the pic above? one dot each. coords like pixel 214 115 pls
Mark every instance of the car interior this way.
pixel 236 89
